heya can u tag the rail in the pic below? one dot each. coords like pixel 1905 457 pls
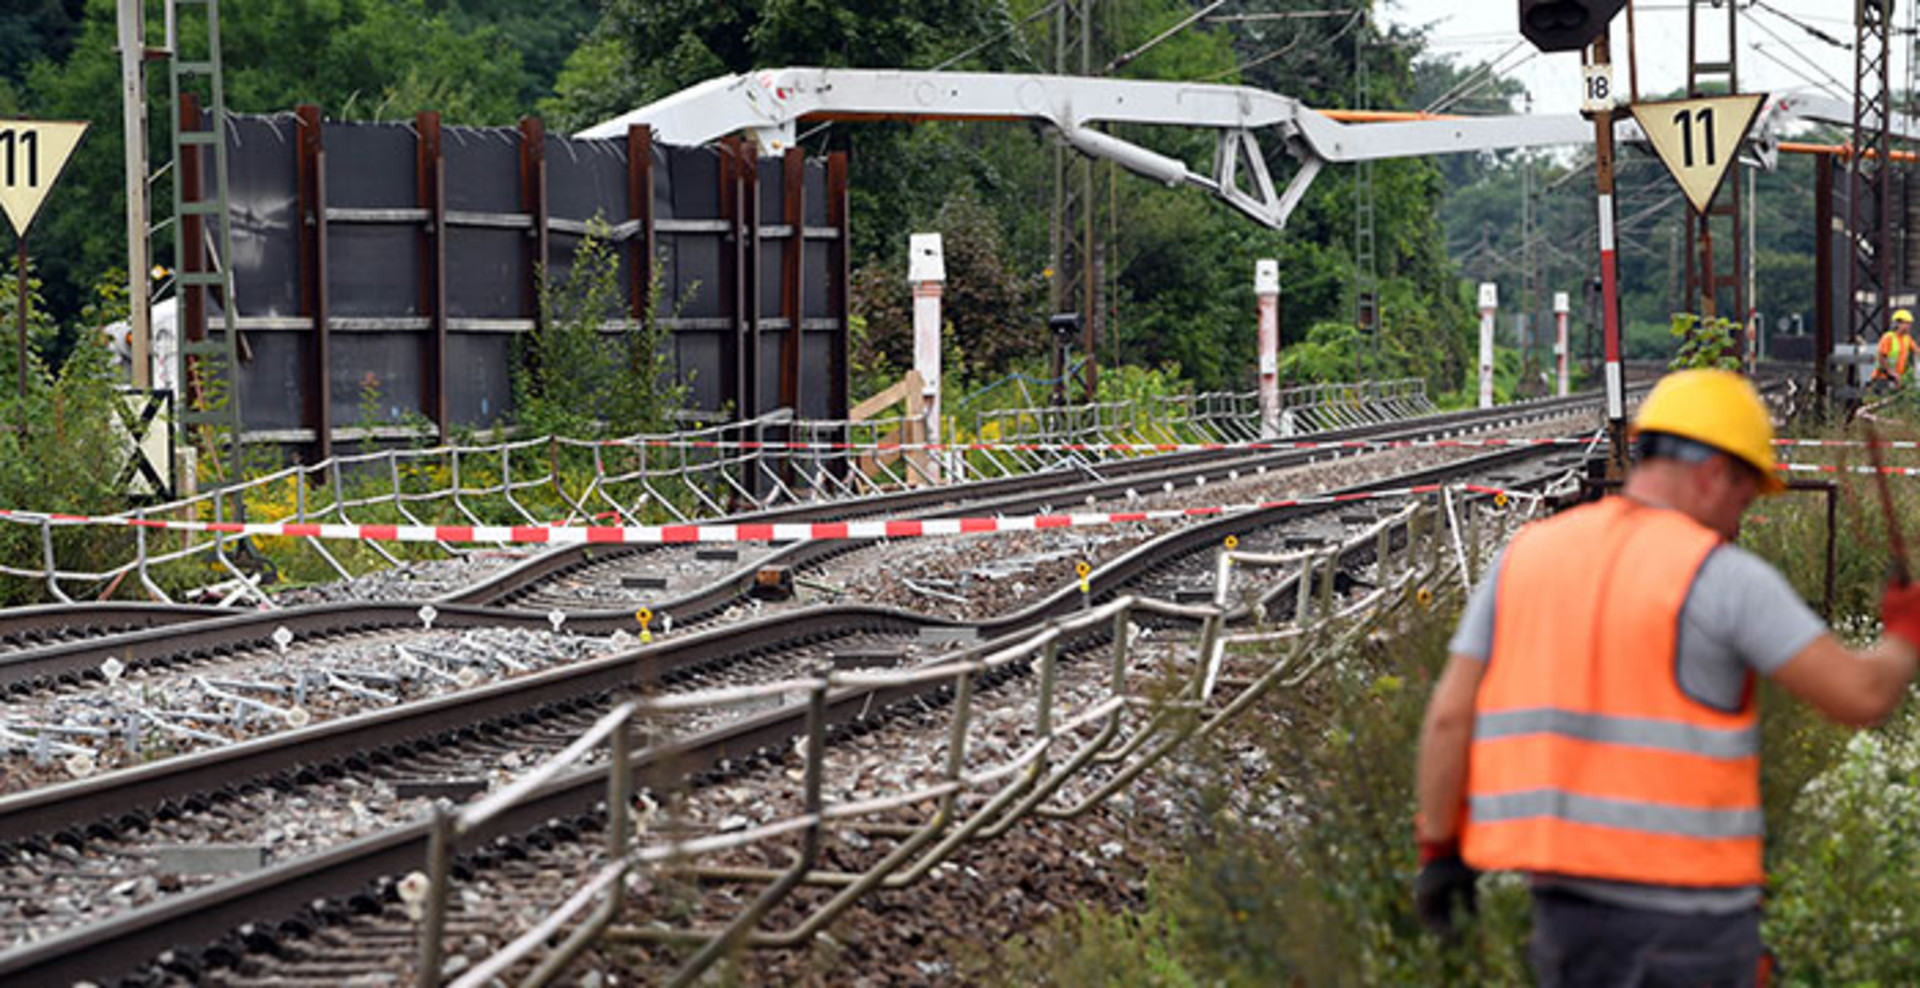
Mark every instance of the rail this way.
pixel 1120 734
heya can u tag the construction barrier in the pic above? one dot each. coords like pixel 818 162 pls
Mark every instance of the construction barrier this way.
pixel 1287 445
pixel 764 532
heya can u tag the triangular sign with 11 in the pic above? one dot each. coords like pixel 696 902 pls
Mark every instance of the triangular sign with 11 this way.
pixel 1698 139
pixel 32 153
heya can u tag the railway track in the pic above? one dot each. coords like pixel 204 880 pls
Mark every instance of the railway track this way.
pixel 552 579
pixel 70 715
pixel 455 728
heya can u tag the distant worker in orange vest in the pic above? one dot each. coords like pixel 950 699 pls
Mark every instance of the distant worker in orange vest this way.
pixel 1596 724
pixel 1896 350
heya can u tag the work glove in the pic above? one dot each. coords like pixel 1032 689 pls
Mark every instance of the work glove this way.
pixel 1445 886
pixel 1900 612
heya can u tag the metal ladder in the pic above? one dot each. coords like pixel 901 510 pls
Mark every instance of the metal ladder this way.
pixel 1366 266
pixel 215 356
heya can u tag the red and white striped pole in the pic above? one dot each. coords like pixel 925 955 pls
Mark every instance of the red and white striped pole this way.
pixel 1266 288
pixel 1561 307
pixel 927 269
pixel 1616 380
pixel 1489 305
pixel 1753 337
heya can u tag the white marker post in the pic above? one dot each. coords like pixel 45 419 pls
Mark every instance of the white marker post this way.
pixel 1266 288
pixel 927 270
pixel 1561 307
pixel 1489 305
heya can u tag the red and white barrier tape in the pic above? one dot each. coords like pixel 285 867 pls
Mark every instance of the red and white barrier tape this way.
pixel 1862 468
pixel 1264 445
pixel 1848 443
pixel 774 532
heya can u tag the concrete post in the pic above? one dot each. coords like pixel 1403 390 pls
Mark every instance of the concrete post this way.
pixel 1561 306
pixel 1489 304
pixel 927 270
pixel 1266 288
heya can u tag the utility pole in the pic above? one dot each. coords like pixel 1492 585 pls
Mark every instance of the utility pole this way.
pixel 133 100
pixel 1705 76
pixel 1074 237
pixel 1575 25
pixel 1602 55
pixel 1869 193
pixel 1528 265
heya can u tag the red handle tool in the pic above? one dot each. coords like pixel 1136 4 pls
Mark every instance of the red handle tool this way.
pixel 1902 572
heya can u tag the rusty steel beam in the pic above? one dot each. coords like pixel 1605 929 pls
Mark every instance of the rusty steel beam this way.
pixel 533 202
pixel 750 253
pixel 793 200
pixel 732 275
pixel 640 209
pixel 430 176
pixel 310 172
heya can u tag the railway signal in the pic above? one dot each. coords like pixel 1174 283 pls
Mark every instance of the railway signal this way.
pixel 1566 25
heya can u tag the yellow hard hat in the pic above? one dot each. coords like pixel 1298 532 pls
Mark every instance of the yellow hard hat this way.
pixel 1718 408
pixel 1902 315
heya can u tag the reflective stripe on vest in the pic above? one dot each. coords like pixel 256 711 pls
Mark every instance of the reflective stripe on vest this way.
pixel 1588 759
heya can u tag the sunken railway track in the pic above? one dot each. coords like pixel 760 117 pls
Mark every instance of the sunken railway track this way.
pixel 148 636
pixel 182 936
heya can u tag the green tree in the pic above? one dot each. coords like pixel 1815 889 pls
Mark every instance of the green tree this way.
pixel 364 59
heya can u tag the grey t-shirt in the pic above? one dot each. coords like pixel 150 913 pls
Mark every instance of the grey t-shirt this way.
pixel 1741 615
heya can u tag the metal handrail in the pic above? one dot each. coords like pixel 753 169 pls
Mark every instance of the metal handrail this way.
pixel 1024 784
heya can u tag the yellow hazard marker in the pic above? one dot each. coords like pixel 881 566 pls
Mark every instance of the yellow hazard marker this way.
pixel 1081 569
pixel 1500 499
pixel 645 617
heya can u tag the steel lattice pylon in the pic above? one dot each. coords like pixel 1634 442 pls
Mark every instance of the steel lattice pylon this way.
pixel 1366 265
pixel 1869 199
pixel 1724 222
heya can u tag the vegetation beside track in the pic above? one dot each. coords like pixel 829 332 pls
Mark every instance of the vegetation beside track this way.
pixel 1323 897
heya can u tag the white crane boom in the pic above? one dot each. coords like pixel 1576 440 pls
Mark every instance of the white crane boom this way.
pixel 771 103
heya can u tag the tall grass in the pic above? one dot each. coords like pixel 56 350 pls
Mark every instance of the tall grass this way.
pixel 1323 898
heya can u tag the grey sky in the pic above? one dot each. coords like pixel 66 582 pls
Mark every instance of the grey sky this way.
pixel 1479 30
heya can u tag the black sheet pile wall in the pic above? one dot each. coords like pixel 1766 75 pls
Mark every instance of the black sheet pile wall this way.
pixel 401 259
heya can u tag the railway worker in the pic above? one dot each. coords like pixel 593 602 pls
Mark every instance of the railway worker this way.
pixel 1896 351
pixel 1595 726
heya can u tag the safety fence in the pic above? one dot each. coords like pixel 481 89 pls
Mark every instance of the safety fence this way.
pixel 1079 747
pixel 882 528
pixel 552 482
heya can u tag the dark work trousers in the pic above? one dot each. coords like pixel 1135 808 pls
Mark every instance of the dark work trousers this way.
pixel 1580 943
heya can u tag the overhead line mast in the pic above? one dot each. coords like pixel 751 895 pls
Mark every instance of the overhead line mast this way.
pixel 1706 77
pixel 1869 191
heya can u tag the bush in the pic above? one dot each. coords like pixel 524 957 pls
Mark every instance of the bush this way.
pixel 574 378
pixel 59 445
pixel 1323 895
pixel 1323 899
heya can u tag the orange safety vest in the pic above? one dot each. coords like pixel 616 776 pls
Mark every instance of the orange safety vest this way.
pixel 1896 348
pixel 1587 758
